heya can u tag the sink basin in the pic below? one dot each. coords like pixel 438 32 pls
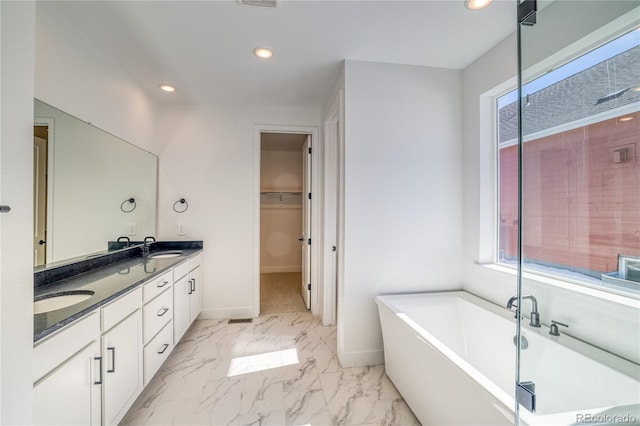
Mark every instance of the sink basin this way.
pixel 163 254
pixel 52 302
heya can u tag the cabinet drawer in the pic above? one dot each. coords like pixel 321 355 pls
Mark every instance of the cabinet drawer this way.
pixel 194 262
pixel 157 351
pixel 121 308
pixel 55 349
pixel 157 313
pixel 181 270
pixel 156 286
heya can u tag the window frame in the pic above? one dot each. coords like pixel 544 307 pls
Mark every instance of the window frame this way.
pixel 494 261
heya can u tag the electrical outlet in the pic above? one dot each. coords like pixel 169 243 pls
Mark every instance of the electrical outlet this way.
pixel 132 229
pixel 180 229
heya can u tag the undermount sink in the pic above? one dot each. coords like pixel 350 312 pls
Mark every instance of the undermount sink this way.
pixel 164 254
pixel 53 302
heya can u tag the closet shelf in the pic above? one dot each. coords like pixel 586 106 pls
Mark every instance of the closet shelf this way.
pixel 280 199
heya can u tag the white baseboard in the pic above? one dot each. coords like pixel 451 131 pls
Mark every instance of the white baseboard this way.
pixel 361 359
pixel 236 312
pixel 276 269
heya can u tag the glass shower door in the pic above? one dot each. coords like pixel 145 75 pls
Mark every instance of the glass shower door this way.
pixel 578 109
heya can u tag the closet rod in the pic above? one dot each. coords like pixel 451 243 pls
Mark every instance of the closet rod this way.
pixel 280 192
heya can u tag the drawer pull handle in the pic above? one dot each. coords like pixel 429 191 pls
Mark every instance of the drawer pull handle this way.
pixel 190 287
pixel 163 348
pixel 163 311
pixel 193 281
pixel 163 284
pixel 99 358
pixel 113 360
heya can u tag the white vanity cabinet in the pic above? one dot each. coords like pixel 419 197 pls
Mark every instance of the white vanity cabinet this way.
pixel 67 375
pixel 122 348
pixel 91 371
pixel 195 299
pixel 187 295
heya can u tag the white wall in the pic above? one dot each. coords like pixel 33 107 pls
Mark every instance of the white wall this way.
pixel 17 21
pixel 612 325
pixel 75 75
pixel 403 194
pixel 281 170
pixel 207 156
pixel 280 220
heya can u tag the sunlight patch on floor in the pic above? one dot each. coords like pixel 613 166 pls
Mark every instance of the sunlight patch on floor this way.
pixel 264 361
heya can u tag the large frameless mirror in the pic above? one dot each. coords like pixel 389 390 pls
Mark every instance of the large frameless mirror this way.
pixel 90 187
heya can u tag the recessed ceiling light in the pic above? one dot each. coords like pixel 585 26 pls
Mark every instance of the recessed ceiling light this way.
pixel 627 118
pixel 477 4
pixel 167 88
pixel 263 52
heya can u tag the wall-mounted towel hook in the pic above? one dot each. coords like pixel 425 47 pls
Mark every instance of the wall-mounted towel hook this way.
pixel 131 201
pixel 181 210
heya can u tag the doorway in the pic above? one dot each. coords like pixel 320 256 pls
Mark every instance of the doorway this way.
pixel 40 172
pixel 285 222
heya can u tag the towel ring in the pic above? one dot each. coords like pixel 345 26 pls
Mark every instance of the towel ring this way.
pixel 181 201
pixel 131 201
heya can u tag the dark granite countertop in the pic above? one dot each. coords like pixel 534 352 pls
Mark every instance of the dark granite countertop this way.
pixel 106 281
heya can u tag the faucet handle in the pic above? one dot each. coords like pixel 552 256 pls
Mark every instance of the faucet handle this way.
pixel 553 328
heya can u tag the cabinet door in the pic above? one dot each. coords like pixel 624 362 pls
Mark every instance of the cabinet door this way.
pixel 195 298
pixel 71 395
pixel 181 296
pixel 122 367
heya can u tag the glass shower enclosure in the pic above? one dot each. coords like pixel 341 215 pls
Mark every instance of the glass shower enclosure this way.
pixel 569 159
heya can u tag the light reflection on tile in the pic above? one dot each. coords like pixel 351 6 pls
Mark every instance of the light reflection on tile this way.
pixel 282 369
pixel 262 361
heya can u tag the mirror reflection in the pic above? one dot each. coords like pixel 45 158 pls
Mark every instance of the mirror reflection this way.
pixel 90 187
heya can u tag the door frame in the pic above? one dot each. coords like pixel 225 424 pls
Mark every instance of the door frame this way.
pixel 316 237
pixel 333 213
pixel 50 123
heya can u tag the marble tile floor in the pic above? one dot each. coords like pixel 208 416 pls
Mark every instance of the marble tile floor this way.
pixel 282 369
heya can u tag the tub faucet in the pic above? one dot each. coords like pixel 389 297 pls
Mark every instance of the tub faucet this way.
pixel 534 318
pixel 511 303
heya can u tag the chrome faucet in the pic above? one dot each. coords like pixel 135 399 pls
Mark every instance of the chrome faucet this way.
pixel 534 318
pixel 146 243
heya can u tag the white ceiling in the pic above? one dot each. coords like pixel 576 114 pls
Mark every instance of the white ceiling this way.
pixel 205 48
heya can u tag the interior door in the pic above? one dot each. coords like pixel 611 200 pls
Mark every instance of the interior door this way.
pixel 39 200
pixel 306 223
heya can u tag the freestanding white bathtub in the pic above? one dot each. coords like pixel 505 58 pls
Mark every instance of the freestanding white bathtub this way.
pixel 452 357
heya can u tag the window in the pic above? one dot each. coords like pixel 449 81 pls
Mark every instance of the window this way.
pixel 581 167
